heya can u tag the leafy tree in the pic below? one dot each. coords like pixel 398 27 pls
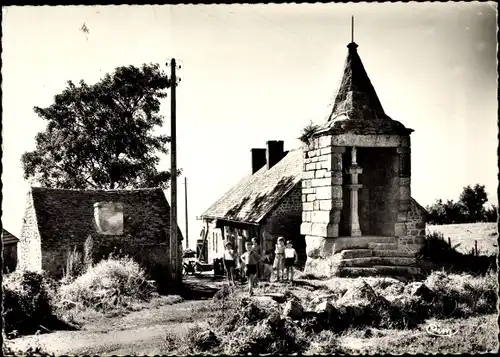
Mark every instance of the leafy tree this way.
pixel 473 200
pixel 101 135
pixel 491 214
pixel 469 208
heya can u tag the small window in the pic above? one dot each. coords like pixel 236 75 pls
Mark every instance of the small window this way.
pixel 108 218
pixel 216 243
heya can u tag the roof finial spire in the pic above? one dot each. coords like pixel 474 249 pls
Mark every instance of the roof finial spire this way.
pixel 352 28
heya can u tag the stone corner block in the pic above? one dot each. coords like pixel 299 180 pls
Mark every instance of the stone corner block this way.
pixel 400 229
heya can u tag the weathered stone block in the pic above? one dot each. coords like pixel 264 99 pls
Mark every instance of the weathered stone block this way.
pixel 321 182
pixel 306 228
pixel 325 141
pixel 349 139
pixel 310 166
pixel 337 192
pixel 308 190
pixel 324 193
pixel 325 230
pixel 320 217
pixel 326 151
pixel 325 165
pixel 338 149
pixel 311 197
pixel 336 163
pixel 318 174
pixel 405 141
pixel 404 181
pixel 420 225
pixel 400 229
pixel 307 206
pixel 325 205
pixel 307 175
pixel 405 194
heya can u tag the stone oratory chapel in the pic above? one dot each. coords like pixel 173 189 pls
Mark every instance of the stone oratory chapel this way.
pixel 358 217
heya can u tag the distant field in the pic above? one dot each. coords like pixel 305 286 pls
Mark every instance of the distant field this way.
pixel 486 235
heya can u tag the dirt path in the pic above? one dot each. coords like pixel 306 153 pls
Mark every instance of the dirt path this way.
pixel 139 332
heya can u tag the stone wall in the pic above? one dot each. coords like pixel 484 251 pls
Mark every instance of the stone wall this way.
pixel 415 238
pixel 29 253
pixel 285 221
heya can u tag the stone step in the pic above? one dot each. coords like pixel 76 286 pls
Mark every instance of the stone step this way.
pixel 394 271
pixel 356 253
pixel 397 270
pixel 391 253
pixel 383 246
pixel 377 261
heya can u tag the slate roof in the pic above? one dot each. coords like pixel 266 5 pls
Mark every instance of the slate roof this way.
pixel 8 238
pixel 357 108
pixel 257 195
pixel 65 213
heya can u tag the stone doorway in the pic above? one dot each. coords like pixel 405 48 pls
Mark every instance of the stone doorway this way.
pixel 378 197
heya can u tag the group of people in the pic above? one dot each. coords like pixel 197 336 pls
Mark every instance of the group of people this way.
pixel 254 263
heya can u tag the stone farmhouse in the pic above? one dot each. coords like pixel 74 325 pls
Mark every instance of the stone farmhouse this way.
pixel 344 198
pixel 9 251
pixel 134 221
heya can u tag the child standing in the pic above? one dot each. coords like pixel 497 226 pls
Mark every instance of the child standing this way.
pixel 290 260
pixel 229 262
pixel 279 260
pixel 250 260
pixel 256 248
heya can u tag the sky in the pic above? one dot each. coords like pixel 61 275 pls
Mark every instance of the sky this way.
pixel 253 73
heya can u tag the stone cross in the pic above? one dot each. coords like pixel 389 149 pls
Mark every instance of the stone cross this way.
pixel 354 170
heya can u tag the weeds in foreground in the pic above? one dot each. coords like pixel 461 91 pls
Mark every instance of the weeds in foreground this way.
pixel 357 308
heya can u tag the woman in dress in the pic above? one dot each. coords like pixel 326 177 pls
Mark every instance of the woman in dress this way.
pixel 279 260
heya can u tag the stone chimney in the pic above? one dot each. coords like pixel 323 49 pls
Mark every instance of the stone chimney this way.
pixel 274 152
pixel 259 159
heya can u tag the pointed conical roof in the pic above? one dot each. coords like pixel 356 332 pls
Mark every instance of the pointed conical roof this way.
pixel 357 108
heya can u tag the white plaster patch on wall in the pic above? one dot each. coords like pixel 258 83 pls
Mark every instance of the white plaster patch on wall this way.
pixel 108 217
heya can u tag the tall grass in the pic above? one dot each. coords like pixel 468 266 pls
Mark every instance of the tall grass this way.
pixel 439 253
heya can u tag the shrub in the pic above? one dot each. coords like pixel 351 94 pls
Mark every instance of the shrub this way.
pixel 28 302
pixel 308 132
pixel 110 283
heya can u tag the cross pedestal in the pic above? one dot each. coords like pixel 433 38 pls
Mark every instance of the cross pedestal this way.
pixel 354 170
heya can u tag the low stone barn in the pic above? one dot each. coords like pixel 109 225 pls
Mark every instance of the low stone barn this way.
pixel 58 220
pixel 9 251
pixel 356 213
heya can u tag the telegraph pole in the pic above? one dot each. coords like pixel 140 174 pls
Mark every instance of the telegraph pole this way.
pixel 186 206
pixel 173 171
